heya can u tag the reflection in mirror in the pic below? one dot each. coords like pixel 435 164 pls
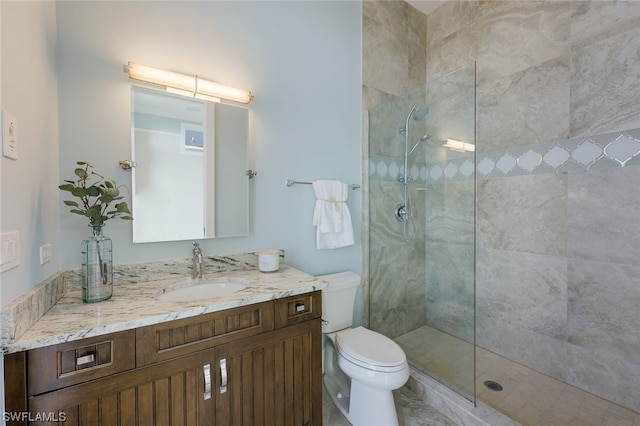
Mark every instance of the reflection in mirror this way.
pixel 190 177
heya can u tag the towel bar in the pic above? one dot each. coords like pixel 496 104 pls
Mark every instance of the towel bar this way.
pixel 291 182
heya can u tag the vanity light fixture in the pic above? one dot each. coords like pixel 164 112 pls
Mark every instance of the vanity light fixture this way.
pixel 190 85
pixel 456 145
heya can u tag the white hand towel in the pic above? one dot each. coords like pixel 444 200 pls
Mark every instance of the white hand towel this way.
pixel 331 215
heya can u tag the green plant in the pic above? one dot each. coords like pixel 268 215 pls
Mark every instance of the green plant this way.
pixel 95 198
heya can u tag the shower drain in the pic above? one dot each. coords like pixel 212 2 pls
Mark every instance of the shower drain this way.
pixel 494 386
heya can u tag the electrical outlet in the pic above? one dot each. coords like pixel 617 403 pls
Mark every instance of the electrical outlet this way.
pixel 9 136
pixel 9 250
pixel 45 253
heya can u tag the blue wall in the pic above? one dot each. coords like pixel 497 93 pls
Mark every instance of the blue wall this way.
pixel 301 60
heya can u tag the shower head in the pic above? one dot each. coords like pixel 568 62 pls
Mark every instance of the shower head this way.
pixel 422 139
pixel 418 112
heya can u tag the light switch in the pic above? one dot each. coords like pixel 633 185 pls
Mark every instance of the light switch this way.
pixel 9 250
pixel 9 136
pixel 45 254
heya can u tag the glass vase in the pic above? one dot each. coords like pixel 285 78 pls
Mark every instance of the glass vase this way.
pixel 97 267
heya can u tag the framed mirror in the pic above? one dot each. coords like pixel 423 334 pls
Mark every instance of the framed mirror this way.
pixel 191 160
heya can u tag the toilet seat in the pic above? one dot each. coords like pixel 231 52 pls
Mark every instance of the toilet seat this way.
pixel 370 350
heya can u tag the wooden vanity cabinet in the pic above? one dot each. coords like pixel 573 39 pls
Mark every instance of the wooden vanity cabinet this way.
pixel 274 380
pixel 258 364
pixel 169 393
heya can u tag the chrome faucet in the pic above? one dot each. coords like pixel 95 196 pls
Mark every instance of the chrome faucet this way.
pixel 196 272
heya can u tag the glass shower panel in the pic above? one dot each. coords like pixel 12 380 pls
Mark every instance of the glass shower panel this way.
pixel 422 226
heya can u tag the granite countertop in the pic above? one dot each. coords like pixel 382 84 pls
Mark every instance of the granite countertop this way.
pixel 134 305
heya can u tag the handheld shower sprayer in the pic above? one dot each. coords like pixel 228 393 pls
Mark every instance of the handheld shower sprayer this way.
pixel 424 138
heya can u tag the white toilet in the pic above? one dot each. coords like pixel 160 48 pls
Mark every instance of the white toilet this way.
pixel 361 367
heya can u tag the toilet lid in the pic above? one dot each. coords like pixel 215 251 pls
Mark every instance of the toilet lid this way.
pixel 368 348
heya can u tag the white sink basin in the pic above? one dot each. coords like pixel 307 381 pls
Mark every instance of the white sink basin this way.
pixel 202 289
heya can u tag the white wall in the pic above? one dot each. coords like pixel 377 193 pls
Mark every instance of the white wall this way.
pixel 302 61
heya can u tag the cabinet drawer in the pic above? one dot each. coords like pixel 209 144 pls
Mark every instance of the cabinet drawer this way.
pixel 160 342
pixel 294 309
pixel 65 364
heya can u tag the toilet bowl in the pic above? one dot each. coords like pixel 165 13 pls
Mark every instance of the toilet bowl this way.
pixel 361 367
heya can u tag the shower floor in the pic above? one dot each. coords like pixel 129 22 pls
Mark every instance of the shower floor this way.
pixel 528 397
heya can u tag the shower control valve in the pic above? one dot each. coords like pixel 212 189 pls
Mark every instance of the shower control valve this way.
pixel 401 213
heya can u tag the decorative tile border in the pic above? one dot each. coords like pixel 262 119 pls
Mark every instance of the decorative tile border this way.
pixel 617 149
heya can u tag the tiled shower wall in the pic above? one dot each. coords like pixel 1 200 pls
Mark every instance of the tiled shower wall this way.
pixel 394 45
pixel 558 236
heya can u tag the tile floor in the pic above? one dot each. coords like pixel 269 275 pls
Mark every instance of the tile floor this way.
pixel 411 409
pixel 528 397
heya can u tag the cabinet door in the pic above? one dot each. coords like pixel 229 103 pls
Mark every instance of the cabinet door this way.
pixel 271 379
pixel 168 393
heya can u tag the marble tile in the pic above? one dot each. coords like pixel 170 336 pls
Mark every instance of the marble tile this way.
pixel 414 411
pixel 391 15
pixel 417 64
pixel 417 29
pixel 523 289
pixel 416 314
pixel 542 353
pixel 391 282
pixel 450 18
pixel 604 374
pixel 414 291
pixel 385 121
pixel 528 396
pixel 451 212
pixel 454 406
pixel 451 53
pixel 525 108
pixel 517 35
pixel 603 308
pixel 547 71
pixel 372 97
pixel 389 322
pixel 592 21
pixel 387 230
pixel 451 289
pixel 605 78
pixel 600 226
pixel 452 115
pixel 526 214
pixel 390 71
pixel 388 279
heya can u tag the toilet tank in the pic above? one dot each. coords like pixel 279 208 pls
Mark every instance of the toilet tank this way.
pixel 338 300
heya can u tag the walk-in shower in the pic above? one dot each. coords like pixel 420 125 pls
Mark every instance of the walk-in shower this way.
pixel 421 227
pixel 528 326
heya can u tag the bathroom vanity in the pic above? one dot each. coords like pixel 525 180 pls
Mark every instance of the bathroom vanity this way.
pixel 236 361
